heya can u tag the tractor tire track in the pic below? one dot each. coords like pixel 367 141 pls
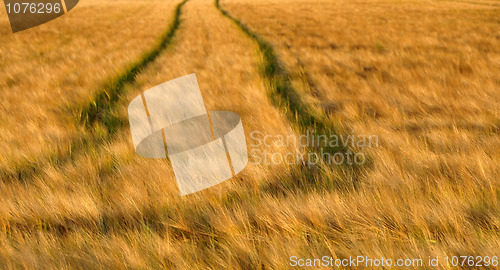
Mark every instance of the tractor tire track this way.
pixel 203 45
pixel 96 113
pixel 289 100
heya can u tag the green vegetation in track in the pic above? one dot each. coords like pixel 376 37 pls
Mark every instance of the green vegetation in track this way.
pixel 96 120
pixel 303 116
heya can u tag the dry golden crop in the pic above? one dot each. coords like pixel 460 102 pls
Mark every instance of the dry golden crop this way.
pixel 48 71
pixel 421 76
pixel 129 206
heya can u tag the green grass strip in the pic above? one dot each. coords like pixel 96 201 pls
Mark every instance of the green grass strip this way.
pixel 299 113
pixel 100 106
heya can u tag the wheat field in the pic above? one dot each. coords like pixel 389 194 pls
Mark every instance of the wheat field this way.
pixel 50 70
pixel 421 76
